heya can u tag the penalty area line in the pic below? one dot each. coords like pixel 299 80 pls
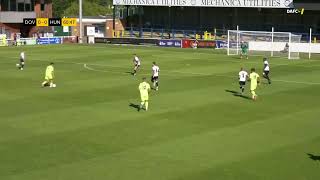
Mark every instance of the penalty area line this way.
pixel 203 74
pixel 97 70
pixel 86 66
pixel 297 82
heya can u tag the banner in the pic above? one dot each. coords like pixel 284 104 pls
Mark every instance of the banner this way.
pixel 50 40
pixel 221 44
pixel 169 43
pixel 206 44
pixel 28 41
pixel 188 43
pixel 210 3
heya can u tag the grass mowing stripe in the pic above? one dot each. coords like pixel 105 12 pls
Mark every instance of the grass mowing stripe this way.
pixel 194 129
pixel 85 65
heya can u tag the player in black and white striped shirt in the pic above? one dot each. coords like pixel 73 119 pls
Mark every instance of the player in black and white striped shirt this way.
pixel 243 75
pixel 137 63
pixel 266 70
pixel 155 75
pixel 21 60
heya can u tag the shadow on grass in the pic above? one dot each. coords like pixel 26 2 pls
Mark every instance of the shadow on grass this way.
pixel 129 73
pixel 236 57
pixel 135 106
pixel 235 93
pixel 314 157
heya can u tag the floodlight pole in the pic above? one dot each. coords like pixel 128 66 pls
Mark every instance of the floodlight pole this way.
pixel 80 22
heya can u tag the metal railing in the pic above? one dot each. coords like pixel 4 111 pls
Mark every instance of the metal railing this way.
pixel 161 33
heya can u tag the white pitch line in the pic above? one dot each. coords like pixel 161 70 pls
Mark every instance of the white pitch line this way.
pixel 297 82
pixel 233 61
pixel 85 65
pixel 204 74
pixel 92 69
pixel 123 73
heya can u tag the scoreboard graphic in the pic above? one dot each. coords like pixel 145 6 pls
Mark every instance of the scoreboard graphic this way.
pixel 43 22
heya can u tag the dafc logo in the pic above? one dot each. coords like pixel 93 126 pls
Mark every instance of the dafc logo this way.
pixel 295 11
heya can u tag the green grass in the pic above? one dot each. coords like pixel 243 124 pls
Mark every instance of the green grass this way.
pixel 85 129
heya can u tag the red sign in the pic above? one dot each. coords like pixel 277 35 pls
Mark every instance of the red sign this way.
pixel 188 43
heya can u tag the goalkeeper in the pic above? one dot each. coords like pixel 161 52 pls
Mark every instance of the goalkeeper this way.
pixel 244 50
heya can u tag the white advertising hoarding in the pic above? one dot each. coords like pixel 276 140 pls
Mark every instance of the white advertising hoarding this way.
pixel 65 29
pixel 91 31
pixel 210 3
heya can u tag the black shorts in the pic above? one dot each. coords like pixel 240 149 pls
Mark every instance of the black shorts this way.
pixel 154 78
pixel 242 83
pixel 266 72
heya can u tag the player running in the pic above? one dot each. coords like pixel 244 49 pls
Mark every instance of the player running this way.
pixel 255 80
pixel 266 70
pixel 144 89
pixel 243 75
pixel 21 63
pixel 49 76
pixel 244 50
pixel 155 76
pixel 137 63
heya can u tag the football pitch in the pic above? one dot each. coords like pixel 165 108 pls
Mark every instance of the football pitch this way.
pixel 197 126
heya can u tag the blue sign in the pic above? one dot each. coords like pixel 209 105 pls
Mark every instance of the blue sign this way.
pixel 221 44
pixel 170 43
pixel 50 40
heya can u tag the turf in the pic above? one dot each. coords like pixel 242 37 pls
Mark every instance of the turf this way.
pixel 197 128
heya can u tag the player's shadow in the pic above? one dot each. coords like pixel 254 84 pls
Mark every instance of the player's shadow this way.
pixel 313 157
pixel 235 93
pixel 136 106
pixel 237 57
pixel 127 72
